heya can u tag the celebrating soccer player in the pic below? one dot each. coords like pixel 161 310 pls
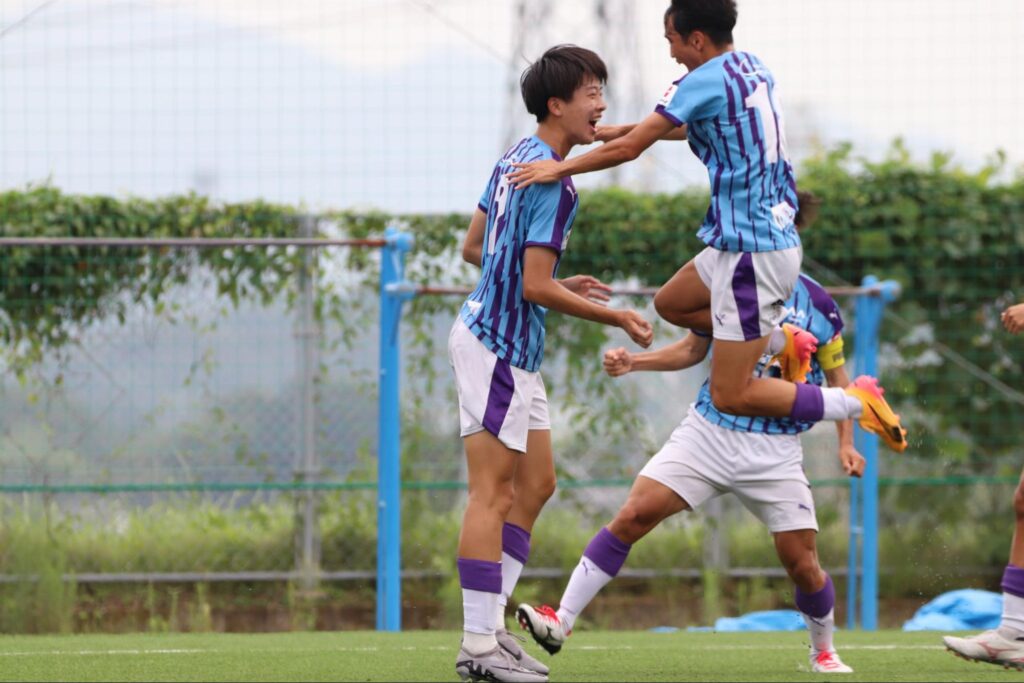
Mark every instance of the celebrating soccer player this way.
pixel 1005 645
pixel 711 453
pixel 735 288
pixel 496 345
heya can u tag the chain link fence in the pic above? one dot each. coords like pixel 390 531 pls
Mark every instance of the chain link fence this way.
pixel 206 458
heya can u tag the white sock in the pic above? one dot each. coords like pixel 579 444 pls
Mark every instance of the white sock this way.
pixel 1012 625
pixel 511 569
pixel 586 580
pixel 839 405
pixel 478 609
pixel 776 341
pixel 821 630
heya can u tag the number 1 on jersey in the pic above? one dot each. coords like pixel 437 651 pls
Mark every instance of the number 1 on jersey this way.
pixel 501 197
pixel 774 133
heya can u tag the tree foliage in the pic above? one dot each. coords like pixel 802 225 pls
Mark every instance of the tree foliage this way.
pixel 954 239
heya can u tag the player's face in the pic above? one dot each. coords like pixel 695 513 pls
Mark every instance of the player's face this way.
pixel 581 113
pixel 678 48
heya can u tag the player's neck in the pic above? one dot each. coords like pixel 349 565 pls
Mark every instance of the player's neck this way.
pixel 714 52
pixel 555 138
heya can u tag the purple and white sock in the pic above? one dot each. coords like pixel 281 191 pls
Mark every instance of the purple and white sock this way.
pixel 481 586
pixel 515 551
pixel 1012 625
pixel 818 613
pixel 814 404
pixel 601 561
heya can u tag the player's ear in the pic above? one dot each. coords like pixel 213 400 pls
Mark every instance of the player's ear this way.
pixel 555 106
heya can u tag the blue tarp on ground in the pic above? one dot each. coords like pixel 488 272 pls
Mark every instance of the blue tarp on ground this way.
pixel 962 610
pixel 772 620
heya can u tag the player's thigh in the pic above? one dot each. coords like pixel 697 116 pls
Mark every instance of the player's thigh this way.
pixel 796 548
pixel 689 465
pixel 734 362
pixel 783 504
pixel 494 396
pixel 536 468
pixel 653 501
pixel 686 291
pixel 749 291
pixel 771 483
pixel 490 467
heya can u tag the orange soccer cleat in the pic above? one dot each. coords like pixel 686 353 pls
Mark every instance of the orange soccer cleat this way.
pixel 878 417
pixel 795 357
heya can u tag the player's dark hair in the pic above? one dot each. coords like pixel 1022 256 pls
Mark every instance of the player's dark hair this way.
pixel 715 18
pixel 558 73
pixel 808 211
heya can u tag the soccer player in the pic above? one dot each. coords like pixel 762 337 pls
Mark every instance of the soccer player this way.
pixel 711 453
pixel 1004 645
pixel 735 288
pixel 496 345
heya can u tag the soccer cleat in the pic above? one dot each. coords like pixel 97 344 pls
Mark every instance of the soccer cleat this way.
pixel 828 662
pixel 877 417
pixel 509 642
pixel 494 665
pixel 544 625
pixel 988 647
pixel 795 358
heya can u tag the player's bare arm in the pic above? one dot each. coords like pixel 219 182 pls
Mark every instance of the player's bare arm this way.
pixel 685 353
pixel 1013 319
pixel 851 460
pixel 614 132
pixel 473 245
pixel 619 151
pixel 539 287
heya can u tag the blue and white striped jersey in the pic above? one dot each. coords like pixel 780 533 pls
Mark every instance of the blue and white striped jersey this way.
pixel 811 308
pixel 735 127
pixel 539 215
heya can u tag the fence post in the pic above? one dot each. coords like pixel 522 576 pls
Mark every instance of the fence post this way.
pixel 869 310
pixel 306 468
pixel 853 561
pixel 394 290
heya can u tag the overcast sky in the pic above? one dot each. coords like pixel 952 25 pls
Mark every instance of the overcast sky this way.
pixel 404 104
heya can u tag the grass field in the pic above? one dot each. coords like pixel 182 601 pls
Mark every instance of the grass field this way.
pixel 429 656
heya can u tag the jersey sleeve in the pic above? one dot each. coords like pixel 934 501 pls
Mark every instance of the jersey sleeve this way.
pixel 551 207
pixel 698 95
pixel 826 324
pixel 488 196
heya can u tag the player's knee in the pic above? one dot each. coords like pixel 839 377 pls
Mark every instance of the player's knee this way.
pixel 668 309
pixel 632 522
pixel 805 572
pixel 1018 502
pixel 545 488
pixel 662 304
pixel 495 500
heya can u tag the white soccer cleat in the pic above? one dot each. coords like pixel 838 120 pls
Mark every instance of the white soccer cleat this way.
pixel 544 625
pixel 988 647
pixel 828 662
pixel 494 665
pixel 509 642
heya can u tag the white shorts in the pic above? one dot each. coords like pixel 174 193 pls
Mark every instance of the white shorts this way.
pixel 765 471
pixel 748 290
pixel 495 396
